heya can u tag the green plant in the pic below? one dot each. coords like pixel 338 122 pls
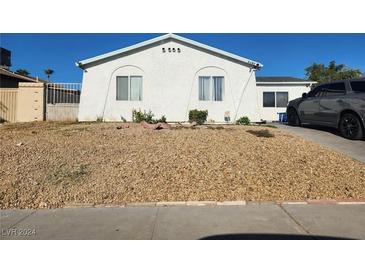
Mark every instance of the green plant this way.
pixel 99 119
pixel 139 116
pixel 163 119
pixel 123 119
pixel 244 120
pixel 198 116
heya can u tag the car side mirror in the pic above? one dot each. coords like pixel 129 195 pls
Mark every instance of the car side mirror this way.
pixel 304 95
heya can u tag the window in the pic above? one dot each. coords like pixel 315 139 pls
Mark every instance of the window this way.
pixel 329 90
pixel 136 88
pixel 281 99
pixel 269 99
pixel 204 88
pixel 358 86
pixel 211 88
pixel 122 88
pixel 334 89
pixel 218 83
pixel 273 99
pixel 129 88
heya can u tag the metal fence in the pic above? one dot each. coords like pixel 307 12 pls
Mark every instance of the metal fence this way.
pixel 62 101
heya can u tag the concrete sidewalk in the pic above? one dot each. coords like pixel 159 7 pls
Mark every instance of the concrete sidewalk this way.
pixel 266 221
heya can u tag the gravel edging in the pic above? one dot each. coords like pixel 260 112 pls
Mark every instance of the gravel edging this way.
pixel 225 203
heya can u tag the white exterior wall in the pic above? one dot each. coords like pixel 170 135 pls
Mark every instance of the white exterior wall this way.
pixel 170 85
pixel 271 113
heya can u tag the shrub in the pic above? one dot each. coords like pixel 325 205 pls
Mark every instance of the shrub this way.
pixel 162 120
pixel 198 116
pixel 244 120
pixel 139 116
pixel 99 119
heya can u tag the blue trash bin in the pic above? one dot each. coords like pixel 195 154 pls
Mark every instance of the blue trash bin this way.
pixel 283 117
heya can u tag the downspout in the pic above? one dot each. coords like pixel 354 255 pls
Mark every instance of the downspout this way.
pixel 243 91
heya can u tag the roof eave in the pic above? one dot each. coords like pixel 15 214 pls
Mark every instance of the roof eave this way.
pixel 287 83
pixel 161 38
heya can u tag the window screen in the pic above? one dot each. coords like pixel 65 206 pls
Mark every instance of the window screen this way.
pixel 122 88
pixel 281 99
pixel 358 86
pixel 204 88
pixel 218 86
pixel 269 99
pixel 136 88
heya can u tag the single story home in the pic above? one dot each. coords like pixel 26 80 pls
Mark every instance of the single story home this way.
pixel 171 75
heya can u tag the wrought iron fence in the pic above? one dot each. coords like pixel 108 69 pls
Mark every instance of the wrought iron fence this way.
pixel 57 93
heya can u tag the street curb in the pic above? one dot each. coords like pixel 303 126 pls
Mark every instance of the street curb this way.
pixel 223 203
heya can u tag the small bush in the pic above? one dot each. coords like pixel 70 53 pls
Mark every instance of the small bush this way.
pixel 99 119
pixel 162 120
pixel 198 116
pixel 139 116
pixel 244 120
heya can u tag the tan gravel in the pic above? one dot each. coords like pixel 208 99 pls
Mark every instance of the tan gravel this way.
pixel 52 164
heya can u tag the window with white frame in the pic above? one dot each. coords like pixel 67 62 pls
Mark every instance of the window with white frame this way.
pixel 129 88
pixel 211 88
pixel 275 99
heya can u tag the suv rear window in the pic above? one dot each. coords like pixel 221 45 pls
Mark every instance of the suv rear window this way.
pixel 358 86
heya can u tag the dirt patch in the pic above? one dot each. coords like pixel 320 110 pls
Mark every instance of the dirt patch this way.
pixel 51 164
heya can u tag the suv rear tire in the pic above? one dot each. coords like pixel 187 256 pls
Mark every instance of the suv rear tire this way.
pixel 293 118
pixel 350 127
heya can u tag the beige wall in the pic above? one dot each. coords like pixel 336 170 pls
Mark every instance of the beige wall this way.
pixel 30 102
pixel 8 98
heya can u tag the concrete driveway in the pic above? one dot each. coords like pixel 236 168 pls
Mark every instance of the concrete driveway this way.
pixel 329 138
pixel 252 221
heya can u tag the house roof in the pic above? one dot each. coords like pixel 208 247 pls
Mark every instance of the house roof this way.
pixel 175 37
pixel 282 80
pixel 19 76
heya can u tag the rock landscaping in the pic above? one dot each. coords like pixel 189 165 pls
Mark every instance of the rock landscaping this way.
pixel 48 165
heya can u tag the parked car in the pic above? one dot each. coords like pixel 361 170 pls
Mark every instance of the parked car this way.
pixel 339 104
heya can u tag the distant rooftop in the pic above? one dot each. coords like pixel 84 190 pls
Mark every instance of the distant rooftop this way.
pixel 12 74
pixel 279 79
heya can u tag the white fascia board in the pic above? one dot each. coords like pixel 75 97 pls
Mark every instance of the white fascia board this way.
pixel 161 38
pixel 286 83
pixel 221 52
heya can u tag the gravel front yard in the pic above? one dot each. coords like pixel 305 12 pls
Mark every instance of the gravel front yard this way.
pixel 51 164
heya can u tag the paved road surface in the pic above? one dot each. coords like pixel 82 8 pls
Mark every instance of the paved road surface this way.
pixel 266 221
pixel 330 138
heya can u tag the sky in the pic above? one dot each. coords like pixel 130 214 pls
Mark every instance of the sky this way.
pixel 281 54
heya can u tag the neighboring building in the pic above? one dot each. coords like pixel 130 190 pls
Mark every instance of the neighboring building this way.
pixel 171 75
pixel 9 79
pixel 275 92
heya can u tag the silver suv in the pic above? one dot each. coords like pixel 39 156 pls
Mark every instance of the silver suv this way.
pixel 339 104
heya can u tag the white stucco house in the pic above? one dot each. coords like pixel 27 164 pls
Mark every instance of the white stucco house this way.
pixel 171 75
